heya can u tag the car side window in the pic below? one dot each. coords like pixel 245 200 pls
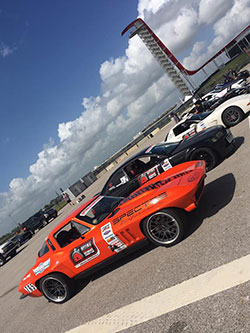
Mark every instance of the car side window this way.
pixel 69 233
pixel 138 166
pixel 118 179
pixel 182 127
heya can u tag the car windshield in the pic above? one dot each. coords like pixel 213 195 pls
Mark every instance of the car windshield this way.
pixel 44 249
pixel 163 149
pixel 99 209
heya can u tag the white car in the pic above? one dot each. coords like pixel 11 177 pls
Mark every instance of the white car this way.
pixel 228 114
pixel 220 90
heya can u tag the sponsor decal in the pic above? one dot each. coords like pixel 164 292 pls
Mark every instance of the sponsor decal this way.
pixel 137 210
pixel 84 253
pixel 88 252
pixel 154 186
pixel 41 267
pixel 150 174
pixel 110 239
pixel 77 255
pixel 203 126
pixel 30 288
pixel 166 165
pixel 190 133
pixel 143 179
pixel 114 243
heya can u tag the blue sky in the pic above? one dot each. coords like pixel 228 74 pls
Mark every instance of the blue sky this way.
pixel 58 47
pixel 73 91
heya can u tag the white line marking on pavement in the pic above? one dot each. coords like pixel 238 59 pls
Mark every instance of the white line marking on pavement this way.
pixel 187 292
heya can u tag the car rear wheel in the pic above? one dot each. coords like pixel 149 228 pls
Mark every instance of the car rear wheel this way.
pixel 205 154
pixel 57 288
pixel 232 116
pixel 165 227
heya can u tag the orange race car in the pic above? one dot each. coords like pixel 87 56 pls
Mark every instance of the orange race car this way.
pixel 105 226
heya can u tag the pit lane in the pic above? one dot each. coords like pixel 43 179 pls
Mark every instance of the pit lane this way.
pixel 219 233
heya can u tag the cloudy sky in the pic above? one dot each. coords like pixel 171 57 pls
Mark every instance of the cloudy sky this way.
pixel 73 91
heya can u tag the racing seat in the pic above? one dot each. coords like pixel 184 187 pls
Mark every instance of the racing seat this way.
pixel 62 238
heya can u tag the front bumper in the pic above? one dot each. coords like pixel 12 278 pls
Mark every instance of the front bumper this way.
pixel 225 145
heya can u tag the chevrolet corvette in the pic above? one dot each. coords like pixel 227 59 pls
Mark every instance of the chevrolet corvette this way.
pixel 105 226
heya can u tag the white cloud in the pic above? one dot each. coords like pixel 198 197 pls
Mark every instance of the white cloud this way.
pixel 211 10
pixel 5 50
pixel 134 91
pixel 230 21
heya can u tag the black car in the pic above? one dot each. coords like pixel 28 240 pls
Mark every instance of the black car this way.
pixel 34 223
pixel 50 214
pixel 23 238
pixel 211 145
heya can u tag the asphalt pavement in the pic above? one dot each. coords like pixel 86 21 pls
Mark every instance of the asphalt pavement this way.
pixel 219 234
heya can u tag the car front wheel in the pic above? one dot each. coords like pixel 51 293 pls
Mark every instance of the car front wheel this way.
pixel 165 227
pixel 57 288
pixel 232 116
pixel 205 154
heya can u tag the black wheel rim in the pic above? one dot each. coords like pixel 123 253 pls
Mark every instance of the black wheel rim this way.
pixel 233 116
pixel 163 228
pixel 205 156
pixel 54 289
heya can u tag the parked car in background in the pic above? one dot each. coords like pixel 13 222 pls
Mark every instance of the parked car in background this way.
pixel 22 238
pixel 230 94
pixel 50 214
pixel 7 250
pixel 228 114
pixel 221 89
pixel 34 223
pixel 211 146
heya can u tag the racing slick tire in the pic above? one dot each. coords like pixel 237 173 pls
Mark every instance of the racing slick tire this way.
pixel 165 227
pixel 2 260
pixel 232 116
pixel 205 154
pixel 56 287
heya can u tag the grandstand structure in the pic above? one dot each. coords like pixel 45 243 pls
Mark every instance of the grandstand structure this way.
pixel 178 74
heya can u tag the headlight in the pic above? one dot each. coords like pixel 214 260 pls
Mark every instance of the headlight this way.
pixel 217 136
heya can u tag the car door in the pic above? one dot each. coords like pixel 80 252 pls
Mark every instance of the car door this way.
pixel 80 246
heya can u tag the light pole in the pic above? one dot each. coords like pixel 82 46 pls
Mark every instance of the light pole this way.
pixel 12 220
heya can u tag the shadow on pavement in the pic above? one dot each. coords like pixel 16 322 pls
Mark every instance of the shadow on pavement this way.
pixel 216 196
pixel 123 258
pixel 238 141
